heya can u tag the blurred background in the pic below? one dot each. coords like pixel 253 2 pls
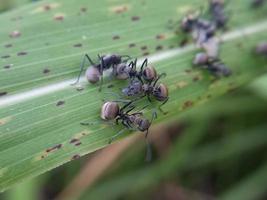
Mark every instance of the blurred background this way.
pixel 218 153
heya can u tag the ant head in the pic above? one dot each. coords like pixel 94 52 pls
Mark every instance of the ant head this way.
pixel 142 123
pixel 161 92
pixel 92 74
pixel 150 73
pixel 110 110
pixel 116 59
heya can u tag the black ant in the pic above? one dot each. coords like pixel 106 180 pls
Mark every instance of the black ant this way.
pixel 124 71
pixel 95 72
pixel 214 65
pixel 131 121
pixel 141 89
pixel 218 13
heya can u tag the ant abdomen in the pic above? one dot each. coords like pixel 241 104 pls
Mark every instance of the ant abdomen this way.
pixel 149 73
pixel 92 75
pixel 161 93
pixel 109 111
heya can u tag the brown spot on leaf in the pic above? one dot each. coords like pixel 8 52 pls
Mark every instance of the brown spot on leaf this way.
pixel 59 17
pixel 187 104
pixel 5 56
pixel 46 71
pixel 145 53
pixel 78 45
pixel 78 144
pixel 159 47
pixel 116 37
pixel 60 103
pixel 160 36
pixel 132 45
pixel 181 84
pixel 54 148
pixel 188 71
pixel 75 157
pixel 8 45
pixel 110 86
pixel 196 78
pixel 135 18
pixel 4 120
pixel 47 7
pixel 171 46
pixel 15 34
pixel 74 140
pixel 22 53
pixel 144 48
pixel 120 9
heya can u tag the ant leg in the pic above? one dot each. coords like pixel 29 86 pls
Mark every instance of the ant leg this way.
pixel 148 97
pixel 159 77
pixel 126 105
pixel 162 105
pixel 101 72
pixel 148 151
pixel 144 64
pixel 117 134
pixel 127 58
pixel 96 123
pixel 131 108
pixel 82 67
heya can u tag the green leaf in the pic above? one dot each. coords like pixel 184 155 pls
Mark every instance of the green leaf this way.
pixel 40 113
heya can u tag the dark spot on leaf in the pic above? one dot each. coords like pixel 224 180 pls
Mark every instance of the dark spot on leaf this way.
pixel 116 37
pixel 135 18
pixel 3 94
pixel 75 157
pixel 59 17
pixel 188 71
pixel 145 53
pixel 46 71
pixel 83 9
pixel 42 157
pixel 47 7
pixel 131 45
pixel 196 78
pixel 74 140
pixel 159 47
pixel 160 36
pixel 79 89
pixel 183 42
pixel 15 34
pixel 8 45
pixel 78 45
pixel 22 53
pixel 5 56
pixel 231 90
pixel 83 134
pixel 47 43
pixel 110 86
pixel 7 66
pixel 56 147
pixel 187 104
pixel 171 46
pixel 208 96
pixel 144 48
pixel 78 144
pixel 60 103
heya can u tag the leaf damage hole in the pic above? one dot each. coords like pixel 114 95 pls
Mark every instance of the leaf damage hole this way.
pixel 135 18
pixel 60 103
pixel 75 157
pixel 15 34
pixel 22 53
pixel 77 45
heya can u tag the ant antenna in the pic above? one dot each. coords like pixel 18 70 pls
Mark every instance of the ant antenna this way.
pixel 144 64
pixel 160 76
